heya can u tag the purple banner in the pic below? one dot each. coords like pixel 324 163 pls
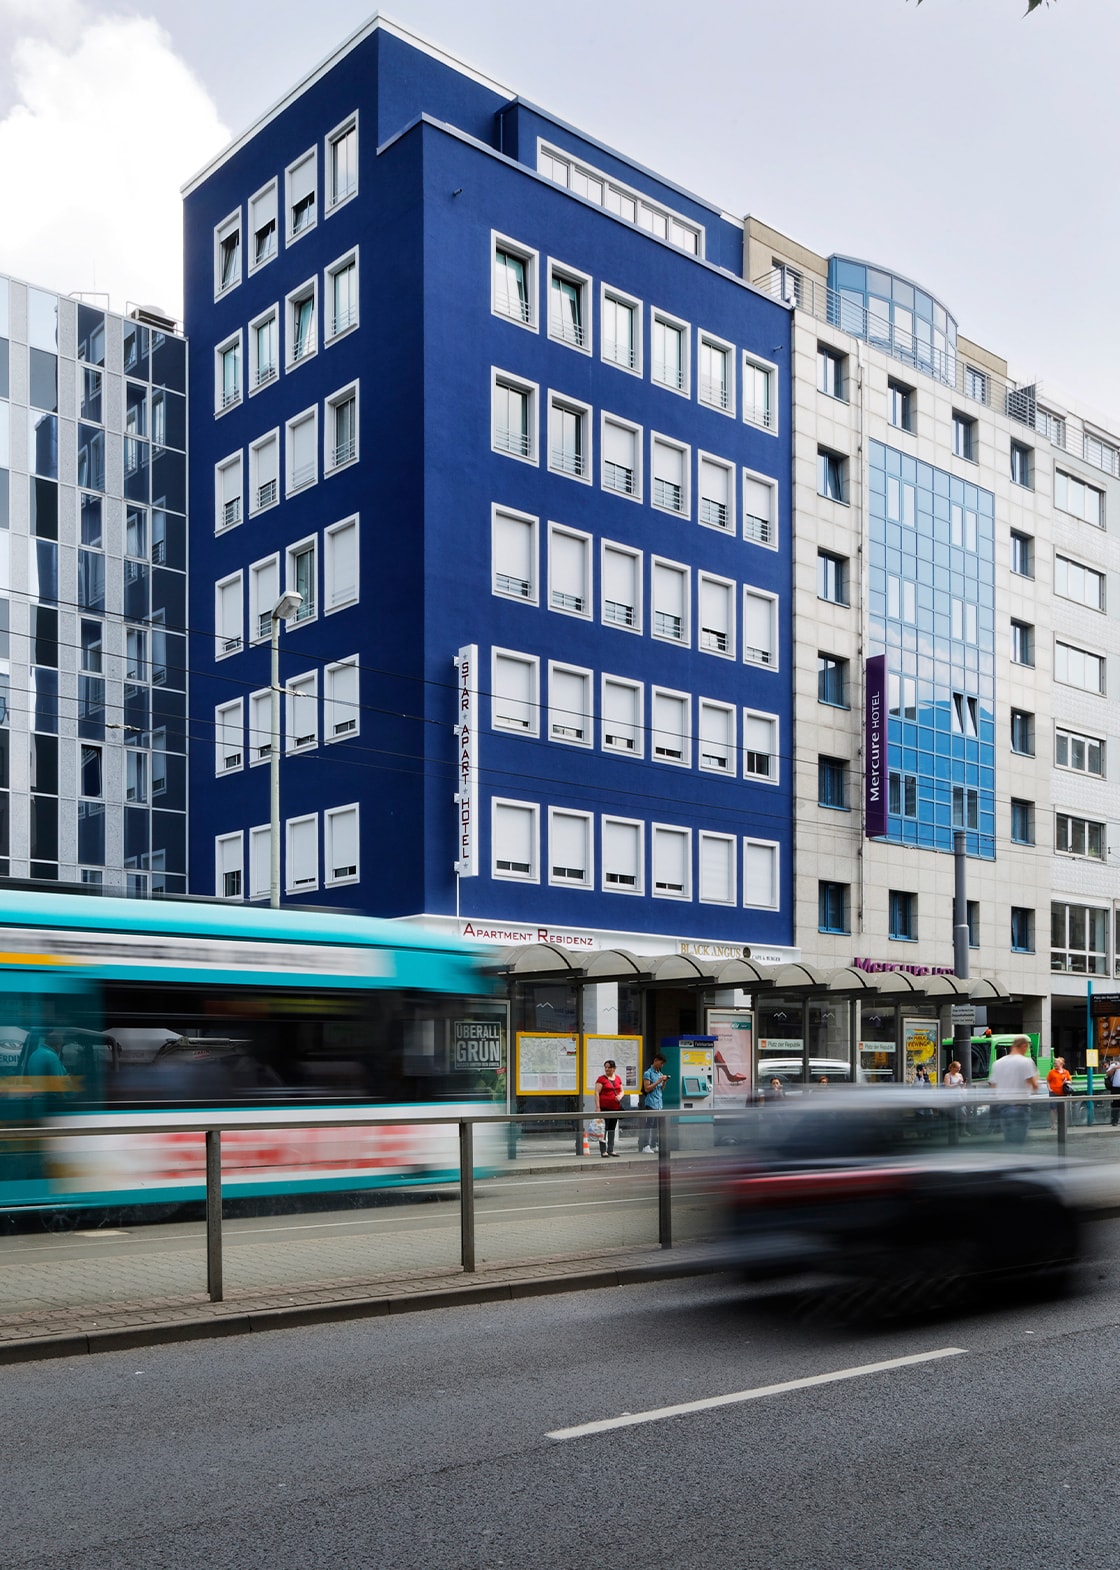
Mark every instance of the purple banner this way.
pixel 875 748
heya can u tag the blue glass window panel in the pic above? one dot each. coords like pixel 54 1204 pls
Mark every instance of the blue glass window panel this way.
pixel 849 275
pixel 902 293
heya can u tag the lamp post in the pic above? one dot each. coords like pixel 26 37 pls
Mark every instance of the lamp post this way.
pixel 286 606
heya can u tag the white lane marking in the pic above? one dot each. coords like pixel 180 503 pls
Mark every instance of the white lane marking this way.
pixel 629 1419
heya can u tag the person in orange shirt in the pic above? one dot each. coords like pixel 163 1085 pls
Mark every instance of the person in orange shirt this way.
pixel 1058 1077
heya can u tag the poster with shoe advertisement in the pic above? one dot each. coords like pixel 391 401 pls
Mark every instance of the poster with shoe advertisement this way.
pixel 733 1056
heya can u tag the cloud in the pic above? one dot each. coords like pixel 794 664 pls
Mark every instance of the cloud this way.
pixel 106 124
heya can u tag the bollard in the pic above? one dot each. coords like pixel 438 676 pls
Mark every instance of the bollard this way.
pixel 664 1189
pixel 466 1194
pixel 1063 1119
pixel 214 1214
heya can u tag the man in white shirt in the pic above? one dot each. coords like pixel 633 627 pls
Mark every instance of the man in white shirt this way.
pixel 1015 1078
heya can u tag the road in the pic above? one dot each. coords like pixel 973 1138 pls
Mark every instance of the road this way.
pixel 425 1441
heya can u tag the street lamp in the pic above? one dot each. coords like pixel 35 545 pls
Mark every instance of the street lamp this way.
pixel 286 606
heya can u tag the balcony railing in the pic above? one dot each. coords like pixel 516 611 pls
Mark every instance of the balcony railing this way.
pixel 231 513
pixel 266 494
pixel 618 477
pixel 568 460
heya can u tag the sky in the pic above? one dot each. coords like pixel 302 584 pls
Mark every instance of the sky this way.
pixel 958 142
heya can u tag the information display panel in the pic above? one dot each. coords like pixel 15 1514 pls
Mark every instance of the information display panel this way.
pixel 546 1064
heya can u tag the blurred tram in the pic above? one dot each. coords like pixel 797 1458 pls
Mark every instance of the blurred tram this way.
pixel 172 1014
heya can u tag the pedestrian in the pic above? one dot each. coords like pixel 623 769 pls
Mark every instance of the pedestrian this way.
pixel 1112 1080
pixel 1014 1078
pixel 654 1081
pixel 608 1088
pixel 953 1079
pixel 1058 1078
pixel 776 1090
pixel 921 1075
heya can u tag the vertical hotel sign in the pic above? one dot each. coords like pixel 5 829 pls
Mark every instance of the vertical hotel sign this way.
pixel 466 752
pixel 875 747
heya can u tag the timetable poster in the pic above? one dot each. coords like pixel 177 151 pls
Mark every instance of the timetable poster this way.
pixel 546 1064
pixel 627 1054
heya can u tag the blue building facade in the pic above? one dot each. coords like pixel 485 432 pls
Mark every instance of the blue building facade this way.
pixel 498 405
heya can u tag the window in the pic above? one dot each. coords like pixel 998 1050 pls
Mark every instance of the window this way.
pixel 569 849
pixel 671 739
pixel 717 493
pixel 1085 754
pixel 1022 822
pixel 760 874
pixel 624 203
pixel 716 604
pixel 342 165
pixel 301 314
pixel 1079 837
pixel 1022 643
pixel 229 725
pixel 622 451
pixel 1022 930
pixel 623 856
pixel 669 597
pixel 1022 466
pixel 1074 496
pixel 341 433
pixel 1078 668
pixel 515 279
pixel 962 529
pixel 262 226
pixel 717 737
pixel 760 746
pixel 227 493
pixel 717 869
pixel 622 716
pixel 760 509
pixel 302 447
pixel 671 854
pixel 227 254
pixel 135 776
pixel 260 726
pixel 903 915
pixel 227 374
pixel 340 565
pixel 303 853
pixel 832 907
pixel 302 577
pixel 264 591
pixel 569 705
pixel 964 437
pixel 717 374
pixel 966 807
pixel 669 352
pixel 901 600
pixel 569 438
pixel 902 794
pixel 299 180
pixel 514 418
pixel 622 587
pixel 514 683
pixel 972 921
pixel 263 350
pixel 514 840
pixel 1022 732
pixel 1022 554
pixel 341 711
pixel 302 712
pixel 832 783
pixel 513 549
pixel 787 284
pixel 621 329
pixel 264 472
pixel 227 866
pixel 340 834
pixel 669 465
pixel 1079 939
pixel 342 296
pixel 900 405
pixel 832 369
pixel 228 627
pixel 91 782
pixel 1075 582
pixel 569 317
pixel 832 475
pixel 759 382
pixel 832 577
pixel 965 714
pixel 569 572
pixel 832 680
pixel 963 616
pixel 760 628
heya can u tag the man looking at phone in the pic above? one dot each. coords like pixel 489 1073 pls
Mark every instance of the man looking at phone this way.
pixel 654 1081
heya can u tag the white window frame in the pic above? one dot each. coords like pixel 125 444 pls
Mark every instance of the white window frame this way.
pixel 685 737
pixel 255 382
pixel 551 161
pixel 332 332
pixel 306 613
pixel 635 556
pixel 307 290
pixel 235 460
pixel 221 406
pixel 235 841
pixel 774 662
pixel 768 422
pixel 1061 560
pixel 1088 488
pixel 305 685
pixel 533 524
pixel 607 292
pixel 256 609
pixel 259 751
pixel 332 464
pixel 730 653
pixel 729 468
pixel 311 883
pixel 532 663
pixel 227 646
pixel 588 821
pixel 270 187
pixel 331 202
pixel 770 544
pixel 330 718
pixel 292 483
pixel 560 403
pixel 730 770
pixel 533 810
pixel 775 846
pixel 260 835
pixel 684 572
pixel 587 613
pixel 685 451
pixel 638 689
pixel 291 233
pixel 775 777
pixel 1093 654
pixel 559 718
pixel 582 281
pixel 728 350
pixel 640 872
pixel 331 879
pixel 331 601
pixel 655 831
pixel 616 422
pixel 730 843
pixel 507 379
pixel 229 716
pixel 667 319
pixel 256 505
pixel 530 260
pixel 228 224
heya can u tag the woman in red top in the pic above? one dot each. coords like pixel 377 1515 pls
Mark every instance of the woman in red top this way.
pixel 608 1087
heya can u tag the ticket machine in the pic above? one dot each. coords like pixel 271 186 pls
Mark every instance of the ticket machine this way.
pixel 690 1065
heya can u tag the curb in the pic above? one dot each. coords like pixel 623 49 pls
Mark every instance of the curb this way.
pixel 254 1322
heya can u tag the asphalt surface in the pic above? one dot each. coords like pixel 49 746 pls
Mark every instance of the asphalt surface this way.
pixel 425 1441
